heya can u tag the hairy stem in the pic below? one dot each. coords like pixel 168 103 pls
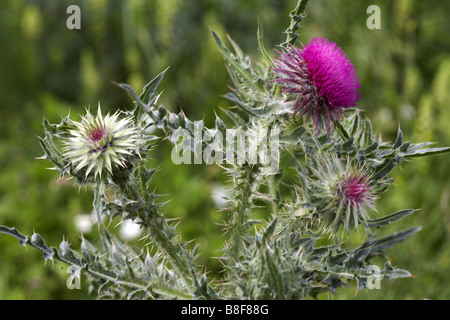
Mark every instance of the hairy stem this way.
pixel 51 253
pixel 156 227
pixel 162 234
pixel 296 16
pixel 245 185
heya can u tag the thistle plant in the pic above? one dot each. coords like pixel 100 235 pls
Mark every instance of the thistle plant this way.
pixel 319 181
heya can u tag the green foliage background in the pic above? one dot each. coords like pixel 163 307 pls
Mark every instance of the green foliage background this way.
pixel 48 70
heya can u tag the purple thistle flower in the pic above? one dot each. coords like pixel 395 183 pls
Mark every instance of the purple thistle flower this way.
pixel 321 81
pixel 342 194
pixel 355 192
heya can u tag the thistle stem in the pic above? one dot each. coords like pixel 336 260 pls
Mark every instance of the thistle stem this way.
pixel 273 195
pixel 240 212
pixel 296 16
pixel 158 229
pixel 170 249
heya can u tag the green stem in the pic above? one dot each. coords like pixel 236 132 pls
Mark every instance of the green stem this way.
pixel 173 251
pixel 240 214
pixel 296 16
pixel 155 287
pixel 273 195
pixel 99 195
pixel 158 228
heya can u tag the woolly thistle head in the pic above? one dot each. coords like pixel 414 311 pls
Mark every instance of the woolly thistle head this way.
pixel 320 80
pixel 100 144
pixel 343 194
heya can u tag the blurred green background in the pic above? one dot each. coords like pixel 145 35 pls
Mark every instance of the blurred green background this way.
pixel 47 70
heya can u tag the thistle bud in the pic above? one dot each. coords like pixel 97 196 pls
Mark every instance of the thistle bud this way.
pixel 343 194
pixel 98 145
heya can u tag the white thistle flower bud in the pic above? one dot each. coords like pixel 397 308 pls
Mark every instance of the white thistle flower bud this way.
pixel 100 143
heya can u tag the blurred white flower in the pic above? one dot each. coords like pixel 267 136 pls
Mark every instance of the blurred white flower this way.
pixel 220 196
pixel 129 230
pixel 84 222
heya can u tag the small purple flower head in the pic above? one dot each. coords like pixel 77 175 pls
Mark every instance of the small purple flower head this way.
pixel 343 194
pixel 354 192
pixel 321 81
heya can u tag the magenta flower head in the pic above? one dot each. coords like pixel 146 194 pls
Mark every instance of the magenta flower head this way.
pixel 320 80
pixel 343 194
pixel 354 193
